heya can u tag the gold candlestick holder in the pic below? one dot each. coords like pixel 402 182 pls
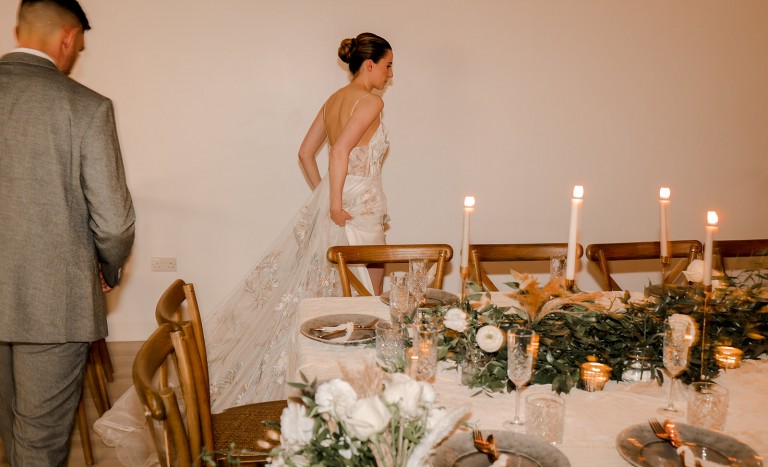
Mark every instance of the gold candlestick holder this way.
pixel 570 285
pixel 464 271
pixel 705 311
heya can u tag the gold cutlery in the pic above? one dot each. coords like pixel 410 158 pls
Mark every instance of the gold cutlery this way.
pixel 486 446
pixel 669 432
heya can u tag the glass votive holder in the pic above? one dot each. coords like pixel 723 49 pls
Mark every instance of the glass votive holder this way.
pixel 594 375
pixel 638 367
pixel 728 357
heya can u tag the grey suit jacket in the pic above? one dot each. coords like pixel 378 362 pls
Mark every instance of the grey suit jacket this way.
pixel 65 208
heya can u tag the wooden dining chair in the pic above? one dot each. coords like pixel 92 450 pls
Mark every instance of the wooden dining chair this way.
pixel 604 253
pixel 241 425
pixel 184 438
pixel 739 249
pixel 343 256
pixel 510 252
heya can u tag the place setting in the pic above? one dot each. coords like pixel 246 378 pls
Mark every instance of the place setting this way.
pixel 341 329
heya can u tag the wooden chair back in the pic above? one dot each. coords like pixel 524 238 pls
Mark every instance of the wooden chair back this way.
pixel 343 256
pixel 171 309
pixel 509 252
pixel 184 437
pixel 604 253
pixel 739 249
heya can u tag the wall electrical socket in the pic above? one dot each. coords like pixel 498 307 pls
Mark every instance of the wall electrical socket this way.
pixel 163 264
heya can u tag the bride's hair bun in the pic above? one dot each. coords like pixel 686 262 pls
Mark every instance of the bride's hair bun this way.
pixel 347 49
pixel 366 46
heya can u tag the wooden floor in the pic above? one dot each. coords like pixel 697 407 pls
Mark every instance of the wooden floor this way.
pixel 122 354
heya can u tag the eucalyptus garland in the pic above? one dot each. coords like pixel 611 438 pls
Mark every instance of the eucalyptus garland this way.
pixel 736 315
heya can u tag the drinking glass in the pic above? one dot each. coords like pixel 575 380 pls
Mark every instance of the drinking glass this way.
pixel 390 344
pixel 417 280
pixel 422 356
pixel 707 405
pixel 557 266
pixel 521 349
pixel 677 345
pixel 400 300
pixel 545 416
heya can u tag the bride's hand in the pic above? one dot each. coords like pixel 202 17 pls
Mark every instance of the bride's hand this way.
pixel 340 216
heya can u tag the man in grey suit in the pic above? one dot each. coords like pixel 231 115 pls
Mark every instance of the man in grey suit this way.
pixel 66 228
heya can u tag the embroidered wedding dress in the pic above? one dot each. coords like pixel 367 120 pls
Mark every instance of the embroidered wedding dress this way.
pixel 247 335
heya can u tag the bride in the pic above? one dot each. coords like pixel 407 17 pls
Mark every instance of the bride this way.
pixel 247 335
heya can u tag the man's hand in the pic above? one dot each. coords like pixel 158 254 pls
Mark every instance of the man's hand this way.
pixel 104 287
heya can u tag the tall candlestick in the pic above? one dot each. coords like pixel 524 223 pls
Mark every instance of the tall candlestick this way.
pixel 663 203
pixel 469 206
pixel 573 232
pixel 711 229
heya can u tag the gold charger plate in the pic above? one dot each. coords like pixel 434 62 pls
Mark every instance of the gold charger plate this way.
pixel 522 450
pixel 359 336
pixel 639 446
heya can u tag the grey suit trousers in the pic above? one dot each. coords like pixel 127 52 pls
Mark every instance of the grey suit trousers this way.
pixel 41 389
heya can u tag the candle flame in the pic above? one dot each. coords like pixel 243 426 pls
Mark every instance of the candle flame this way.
pixel 469 201
pixel 711 218
pixel 664 193
pixel 578 191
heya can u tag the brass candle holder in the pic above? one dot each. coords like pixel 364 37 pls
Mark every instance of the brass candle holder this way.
pixel 728 357
pixel 594 375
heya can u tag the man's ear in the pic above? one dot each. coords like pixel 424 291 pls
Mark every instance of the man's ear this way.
pixel 70 38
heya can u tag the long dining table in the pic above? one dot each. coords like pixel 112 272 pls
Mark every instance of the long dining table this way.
pixel 593 420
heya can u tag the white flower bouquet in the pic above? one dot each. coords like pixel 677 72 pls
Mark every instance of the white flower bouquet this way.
pixel 394 424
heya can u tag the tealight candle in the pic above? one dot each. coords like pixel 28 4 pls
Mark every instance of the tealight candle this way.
pixel 573 233
pixel 594 375
pixel 664 203
pixel 711 229
pixel 411 362
pixel 469 206
pixel 728 357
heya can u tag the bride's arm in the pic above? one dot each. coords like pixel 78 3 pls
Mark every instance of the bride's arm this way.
pixel 308 150
pixel 366 112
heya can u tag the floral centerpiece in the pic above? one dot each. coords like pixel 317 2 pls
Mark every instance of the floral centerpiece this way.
pixel 368 419
pixel 577 327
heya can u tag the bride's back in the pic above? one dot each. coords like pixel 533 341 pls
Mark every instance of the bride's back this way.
pixel 338 110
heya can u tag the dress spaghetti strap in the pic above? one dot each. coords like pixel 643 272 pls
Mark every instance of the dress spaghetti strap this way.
pixel 354 106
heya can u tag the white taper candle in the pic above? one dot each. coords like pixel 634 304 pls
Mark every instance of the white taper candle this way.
pixel 573 232
pixel 711 228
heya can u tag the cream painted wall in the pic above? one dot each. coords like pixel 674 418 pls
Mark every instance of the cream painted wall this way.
pixel 513 101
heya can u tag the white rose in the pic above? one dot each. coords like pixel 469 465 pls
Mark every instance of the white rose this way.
pixel 456 319
pixel 489 338
pixel 295 427
pixel 428 395
pixel 436 415
pixel 335 397
pixel 404 392
pixel 368 417
pixel 695 273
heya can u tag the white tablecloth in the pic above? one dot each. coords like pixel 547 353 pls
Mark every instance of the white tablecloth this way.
pixel 593 419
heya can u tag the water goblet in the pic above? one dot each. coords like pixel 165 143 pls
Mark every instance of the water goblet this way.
pixel 417 280
pixel 400 300
pixel 677 345
pixel 521 351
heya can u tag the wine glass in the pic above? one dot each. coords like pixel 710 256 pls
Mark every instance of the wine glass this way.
pixel 417 280
pixel 677 344
pixel 400 300
pixel 521 350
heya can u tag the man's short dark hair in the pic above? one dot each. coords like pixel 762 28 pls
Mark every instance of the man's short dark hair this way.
pixel 71 6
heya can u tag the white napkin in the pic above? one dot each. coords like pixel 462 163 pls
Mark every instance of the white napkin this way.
pixel 501 461
pixel 690 459
pixel 350 327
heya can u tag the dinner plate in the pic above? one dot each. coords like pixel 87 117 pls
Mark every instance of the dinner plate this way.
pixel 639 446
pixel 434 297
pixel 522 450
pixel 359 336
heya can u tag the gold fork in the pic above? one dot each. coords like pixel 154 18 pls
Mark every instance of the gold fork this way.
pixel 486 447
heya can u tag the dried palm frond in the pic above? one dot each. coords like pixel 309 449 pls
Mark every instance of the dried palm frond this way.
pixel 366 381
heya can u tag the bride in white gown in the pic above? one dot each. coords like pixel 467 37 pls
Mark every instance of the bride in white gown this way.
pixel 247 335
